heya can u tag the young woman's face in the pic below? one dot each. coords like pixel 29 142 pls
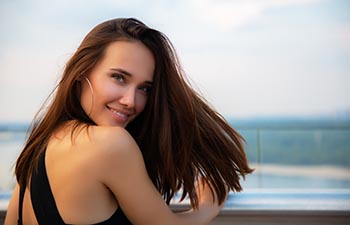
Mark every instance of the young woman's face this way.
pixel 120 82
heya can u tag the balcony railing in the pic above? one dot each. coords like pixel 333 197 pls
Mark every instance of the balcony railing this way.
pixel 261 207
pixel 302 175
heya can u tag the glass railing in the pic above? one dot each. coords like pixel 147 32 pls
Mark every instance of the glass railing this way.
pixel 12 138
pixel 297 154
pixel 299 167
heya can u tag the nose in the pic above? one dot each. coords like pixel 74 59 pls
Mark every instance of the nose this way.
pixel 128 98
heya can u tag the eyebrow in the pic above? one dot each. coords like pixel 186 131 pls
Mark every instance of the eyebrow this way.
pixel 124 72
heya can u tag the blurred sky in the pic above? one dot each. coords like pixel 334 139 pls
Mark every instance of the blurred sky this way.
pixel 249 58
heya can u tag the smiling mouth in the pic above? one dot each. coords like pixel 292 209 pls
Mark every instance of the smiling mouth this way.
pixel 120 115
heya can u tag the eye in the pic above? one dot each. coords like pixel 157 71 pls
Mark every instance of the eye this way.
pixel 119 77
pixel 146 89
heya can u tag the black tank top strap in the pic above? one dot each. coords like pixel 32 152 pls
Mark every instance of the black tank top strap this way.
pixel 20 205
pixel 43 202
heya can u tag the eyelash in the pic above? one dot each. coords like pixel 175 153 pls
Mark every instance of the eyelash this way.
pixel 145 89
pixel 121 79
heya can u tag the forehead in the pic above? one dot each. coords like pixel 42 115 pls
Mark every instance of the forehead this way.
pixel 132 56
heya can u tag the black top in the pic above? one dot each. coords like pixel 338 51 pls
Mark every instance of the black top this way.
pixel 44 204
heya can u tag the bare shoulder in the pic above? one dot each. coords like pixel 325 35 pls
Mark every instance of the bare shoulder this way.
pixel 112 144
pixel 107 137
pixel 116 154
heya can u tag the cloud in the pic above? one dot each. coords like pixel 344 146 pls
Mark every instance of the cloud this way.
pixel 229 15
pixel 240 72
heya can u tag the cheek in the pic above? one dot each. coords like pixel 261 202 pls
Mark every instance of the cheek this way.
pixel 141 103
pixel 106 92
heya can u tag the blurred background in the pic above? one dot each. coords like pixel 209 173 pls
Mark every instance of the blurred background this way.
pixel 278 71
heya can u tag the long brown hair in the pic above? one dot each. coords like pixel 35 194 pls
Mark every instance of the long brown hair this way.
pixel 181 137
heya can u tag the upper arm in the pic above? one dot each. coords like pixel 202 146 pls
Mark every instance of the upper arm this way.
pixel 124 173
pixel 12 210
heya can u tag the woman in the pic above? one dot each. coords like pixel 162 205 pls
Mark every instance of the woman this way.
pixel 123 133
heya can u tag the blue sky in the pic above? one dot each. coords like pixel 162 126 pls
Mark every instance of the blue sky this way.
pixel 249 58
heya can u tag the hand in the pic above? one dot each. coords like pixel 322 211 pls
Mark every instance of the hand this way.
pixel 207 200
pixel 208 206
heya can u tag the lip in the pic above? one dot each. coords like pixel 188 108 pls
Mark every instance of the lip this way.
pixel 119 114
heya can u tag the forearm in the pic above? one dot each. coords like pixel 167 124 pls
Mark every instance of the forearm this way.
pixel 202 216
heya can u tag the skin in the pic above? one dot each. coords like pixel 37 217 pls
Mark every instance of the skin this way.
pixel 105 160
pixel 120 83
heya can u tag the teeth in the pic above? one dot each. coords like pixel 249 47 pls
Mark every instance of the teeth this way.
pixel 119 113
